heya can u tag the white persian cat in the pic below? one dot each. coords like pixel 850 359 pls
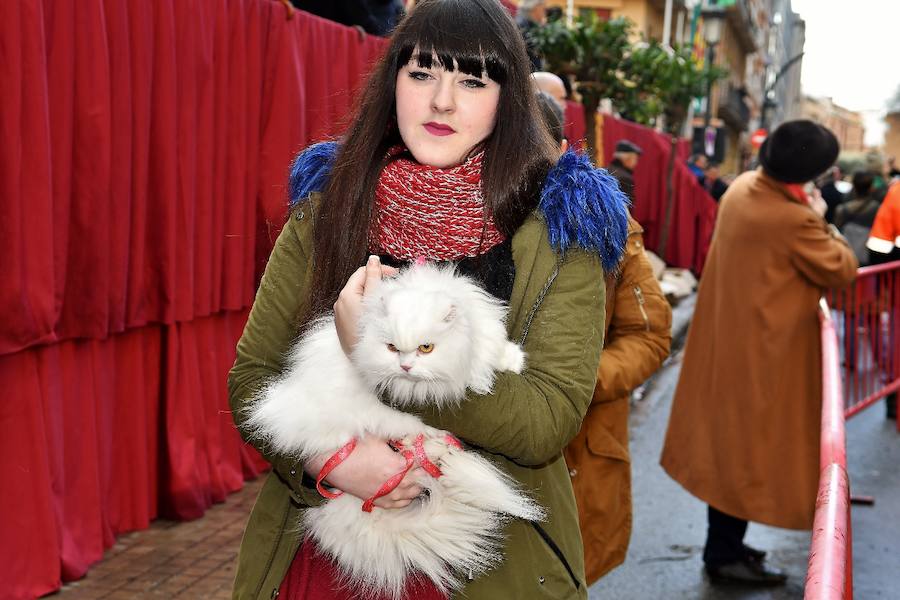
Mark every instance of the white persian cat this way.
pixel 425 337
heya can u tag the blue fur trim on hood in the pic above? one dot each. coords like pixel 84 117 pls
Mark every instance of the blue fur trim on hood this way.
pixel 309 172
pixel 583 206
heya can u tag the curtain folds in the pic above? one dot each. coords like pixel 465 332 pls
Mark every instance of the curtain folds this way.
pixel 693 209
pixel 142 171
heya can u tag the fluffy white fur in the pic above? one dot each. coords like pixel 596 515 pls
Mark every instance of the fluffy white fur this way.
pixel 325 399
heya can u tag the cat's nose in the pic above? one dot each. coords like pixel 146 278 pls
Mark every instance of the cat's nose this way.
pixel 406 367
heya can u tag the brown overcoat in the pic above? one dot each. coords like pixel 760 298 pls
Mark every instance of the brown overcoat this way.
pixel 744 429
pixel 638 334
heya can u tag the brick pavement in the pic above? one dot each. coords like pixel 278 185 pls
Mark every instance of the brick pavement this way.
pixel 186 560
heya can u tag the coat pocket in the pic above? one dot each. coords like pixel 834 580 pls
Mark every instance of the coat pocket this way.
pixel 558 553
pixel 600 442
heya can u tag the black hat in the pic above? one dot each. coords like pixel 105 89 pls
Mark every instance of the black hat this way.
pixel 798 151
pixel 628 146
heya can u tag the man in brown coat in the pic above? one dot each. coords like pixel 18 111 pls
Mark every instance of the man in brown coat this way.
pixel 744 429
pixel 638 336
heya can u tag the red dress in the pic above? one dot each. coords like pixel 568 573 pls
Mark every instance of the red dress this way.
pixel 313 576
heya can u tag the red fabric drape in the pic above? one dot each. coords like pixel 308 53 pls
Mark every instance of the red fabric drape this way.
pixel 142 172
pixel 693 211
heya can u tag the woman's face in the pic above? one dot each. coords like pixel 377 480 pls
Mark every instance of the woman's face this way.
pixel 442 115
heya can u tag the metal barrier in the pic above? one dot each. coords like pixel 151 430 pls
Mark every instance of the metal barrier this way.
pixel 829 573
pixel 867 314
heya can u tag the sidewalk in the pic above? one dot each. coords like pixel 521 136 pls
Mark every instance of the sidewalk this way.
pixel 191 560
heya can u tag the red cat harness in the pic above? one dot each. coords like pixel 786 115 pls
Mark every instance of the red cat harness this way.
pixel 411 455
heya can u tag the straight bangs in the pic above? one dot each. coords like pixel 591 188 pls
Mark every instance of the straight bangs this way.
pixel 431 36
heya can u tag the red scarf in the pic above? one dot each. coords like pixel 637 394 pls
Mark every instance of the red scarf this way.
pixel 438 214
pixel 796 190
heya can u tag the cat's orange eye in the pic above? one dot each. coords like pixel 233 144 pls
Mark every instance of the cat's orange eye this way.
pixel 426 348
pixel 392 347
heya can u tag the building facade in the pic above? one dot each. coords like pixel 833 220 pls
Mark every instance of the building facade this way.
pixel 761 47
pixel 846 124
pixel 892 135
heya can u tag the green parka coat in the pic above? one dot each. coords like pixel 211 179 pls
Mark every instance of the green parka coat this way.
pixel 556 309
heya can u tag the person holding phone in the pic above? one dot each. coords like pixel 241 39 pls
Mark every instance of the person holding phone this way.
pixel 743 433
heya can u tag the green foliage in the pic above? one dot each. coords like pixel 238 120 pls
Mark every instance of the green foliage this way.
pixel 591 50
pixel 643 81
pixel 664 83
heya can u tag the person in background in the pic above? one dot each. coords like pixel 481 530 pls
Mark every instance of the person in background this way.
pixel 884 238
pixel 884 246
pixel 376 17
pixel 638 327
pixel 712 181
pixel 855 217
pixel 560 88
pixel 697 164
pixel 625 160
pixel 831 194
pixel 553 116
pixel 553 86
pixel 743 433
pixel 875 164
pixel 531 15
pixel 893 171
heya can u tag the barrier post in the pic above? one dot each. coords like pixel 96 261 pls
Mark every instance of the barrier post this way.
pixel 829 574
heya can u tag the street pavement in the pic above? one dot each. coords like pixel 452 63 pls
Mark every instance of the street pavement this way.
pixel 191 560
pixel 664 559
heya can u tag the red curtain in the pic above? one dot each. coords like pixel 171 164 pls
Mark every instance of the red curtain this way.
pixel 142 172
pixel 694 210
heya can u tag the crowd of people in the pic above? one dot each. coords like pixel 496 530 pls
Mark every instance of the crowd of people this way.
pixel 453 110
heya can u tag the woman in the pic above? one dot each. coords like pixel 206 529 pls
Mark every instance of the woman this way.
pixel 855 218
pixel 447 158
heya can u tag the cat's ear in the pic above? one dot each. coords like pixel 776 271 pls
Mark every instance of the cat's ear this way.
pixel 451 314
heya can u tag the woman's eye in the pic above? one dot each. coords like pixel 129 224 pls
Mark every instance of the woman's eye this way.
pixel 392 347
pixel 473 83
pixel 419 75
pixel 426 348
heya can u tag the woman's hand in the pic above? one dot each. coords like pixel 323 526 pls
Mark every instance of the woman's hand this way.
pixel 364 282
pixel 367 468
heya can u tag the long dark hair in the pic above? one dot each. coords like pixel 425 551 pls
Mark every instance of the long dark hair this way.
pixel 476 36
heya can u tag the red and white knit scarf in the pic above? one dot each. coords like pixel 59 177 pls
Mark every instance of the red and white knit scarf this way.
pixel 438 214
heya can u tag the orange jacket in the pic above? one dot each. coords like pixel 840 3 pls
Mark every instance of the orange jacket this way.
pixel 884 237
pixel 638 336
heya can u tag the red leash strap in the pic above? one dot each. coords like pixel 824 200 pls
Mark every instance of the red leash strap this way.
pixel 329 466
pixel 388 486
pixel 452 441
pixel 419 449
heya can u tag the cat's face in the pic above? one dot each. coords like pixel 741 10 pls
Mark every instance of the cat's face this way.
pixel 414 344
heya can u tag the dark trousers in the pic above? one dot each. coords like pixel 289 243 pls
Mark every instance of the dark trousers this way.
pixel 724 539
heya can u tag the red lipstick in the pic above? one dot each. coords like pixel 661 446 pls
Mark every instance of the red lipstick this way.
pixel 438 129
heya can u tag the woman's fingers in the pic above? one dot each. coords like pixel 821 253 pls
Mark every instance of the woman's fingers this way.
pixel 373 275
pixel 354 286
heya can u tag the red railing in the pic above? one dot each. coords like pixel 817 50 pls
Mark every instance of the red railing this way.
pixel 829 574
pixel 867 313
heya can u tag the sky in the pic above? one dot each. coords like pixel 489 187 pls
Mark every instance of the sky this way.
pixel 852 55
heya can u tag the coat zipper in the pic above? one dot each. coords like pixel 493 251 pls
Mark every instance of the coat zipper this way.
pixel 549 541
pixel 639 295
